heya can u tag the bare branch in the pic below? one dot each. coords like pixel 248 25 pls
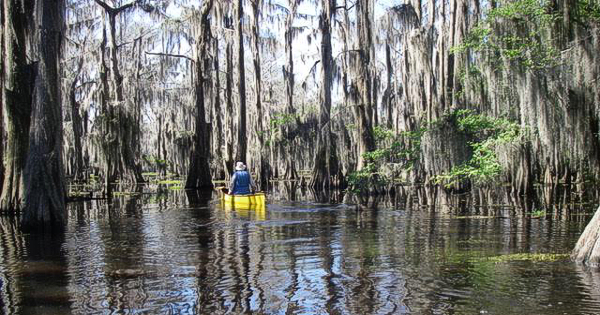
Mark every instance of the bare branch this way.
pixel 169 55
pixel 115 11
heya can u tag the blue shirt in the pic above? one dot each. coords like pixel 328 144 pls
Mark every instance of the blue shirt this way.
pixel 240 183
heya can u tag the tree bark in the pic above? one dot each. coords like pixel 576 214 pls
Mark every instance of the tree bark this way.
pixel 386 102
pixel 199 174
pixel 241 136
pixel 217 108
pixel 587 249
pixel 120 154
pixel 229 153
pixel 1 94
pixel 44 173
pixel 260 170
pixel 289 77
pixel 16 100
pixel 366 143
pixel 76 125
pixel 288 71
pixel 324 161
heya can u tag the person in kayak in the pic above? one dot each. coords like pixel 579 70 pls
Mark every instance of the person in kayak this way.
pixel 241 181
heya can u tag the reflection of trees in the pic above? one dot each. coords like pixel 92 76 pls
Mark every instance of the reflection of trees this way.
pixel 315 258
pixel 11 250
pixel 498 201
pixel 33 271
pixel 124 255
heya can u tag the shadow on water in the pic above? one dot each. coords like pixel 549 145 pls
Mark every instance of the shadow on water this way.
pixel 418 251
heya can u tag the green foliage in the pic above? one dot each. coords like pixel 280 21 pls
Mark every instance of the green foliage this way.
pixel 276 125
pixel 488 133
pixel 361 180
pixel 381 133
pixel 530 50
pixel 281 120
pixel 587 10
pixel 152 160
pixel 524 11
pixel 538 213
pixel 403 148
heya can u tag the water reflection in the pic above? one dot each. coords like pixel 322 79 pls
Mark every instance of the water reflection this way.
pixel 417 251
pixel 33 272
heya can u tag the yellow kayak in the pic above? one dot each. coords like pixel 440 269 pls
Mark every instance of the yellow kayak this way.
pixel 243 201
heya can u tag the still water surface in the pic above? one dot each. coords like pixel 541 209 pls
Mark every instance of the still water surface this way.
pixel 183 254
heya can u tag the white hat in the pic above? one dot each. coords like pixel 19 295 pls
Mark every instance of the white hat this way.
pixel 239 166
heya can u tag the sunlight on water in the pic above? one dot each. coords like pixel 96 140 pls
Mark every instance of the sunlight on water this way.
pixel 190 255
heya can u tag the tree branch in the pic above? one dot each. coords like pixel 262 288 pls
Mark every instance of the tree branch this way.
pixel 115 11
pixel 345 8
pixel 169 55
pixel 347 51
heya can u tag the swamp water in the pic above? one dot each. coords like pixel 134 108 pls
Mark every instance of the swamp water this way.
pixel 180 253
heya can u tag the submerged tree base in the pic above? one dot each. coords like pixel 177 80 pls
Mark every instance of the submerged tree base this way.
pixel 587 249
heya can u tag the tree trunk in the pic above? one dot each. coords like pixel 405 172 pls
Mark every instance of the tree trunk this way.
pixel 199 174
pixel 366 143
pixel 241 137
pixel 120 154
pixel 229 156
pixel 217 107
pixel 587 249
pixel 386 102
pixel 76 125
pixel 324 161
pixel 16 98
pixel 1 95
pixel 288 149
pixel 260 170
pixel 44 173
pixel 288 71
pixel 108 144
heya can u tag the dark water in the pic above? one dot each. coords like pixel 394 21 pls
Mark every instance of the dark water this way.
pixel 178 253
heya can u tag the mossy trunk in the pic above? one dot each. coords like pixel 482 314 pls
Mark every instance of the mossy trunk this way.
pixel 44 174
pixel 287 150
pixel 18 78
pixel 77 165
pixel 259 160
pixel 362 65
pixel 242 138
pixel 444 147
pixel 199 173
pixel 218 115
pixel 120 125
pixel 325 164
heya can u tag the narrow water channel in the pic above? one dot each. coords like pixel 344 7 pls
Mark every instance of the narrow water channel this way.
pixel 175 253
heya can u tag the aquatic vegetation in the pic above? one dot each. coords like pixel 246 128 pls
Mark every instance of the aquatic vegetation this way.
pixel 170 182
pixel 536 257
pixel 538 213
